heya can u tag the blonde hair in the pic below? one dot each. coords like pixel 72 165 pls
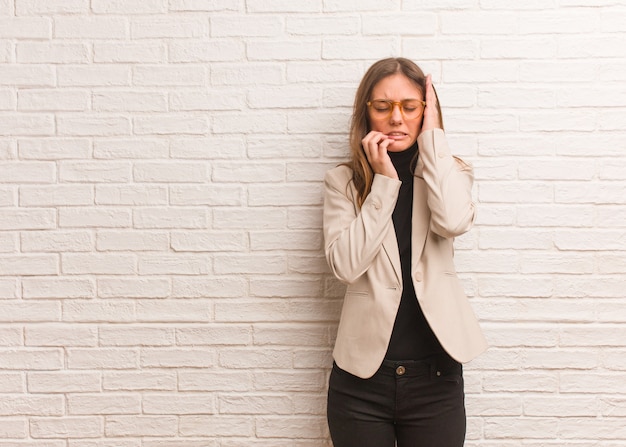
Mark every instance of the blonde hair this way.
pixel 363 176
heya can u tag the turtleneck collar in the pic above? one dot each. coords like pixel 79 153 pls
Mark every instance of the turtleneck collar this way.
pixel 402 161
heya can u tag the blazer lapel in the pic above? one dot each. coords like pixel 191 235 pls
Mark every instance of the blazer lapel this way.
pixel 390 245
pixel 421 218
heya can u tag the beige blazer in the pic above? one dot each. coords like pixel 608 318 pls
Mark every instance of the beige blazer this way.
pixel 362 251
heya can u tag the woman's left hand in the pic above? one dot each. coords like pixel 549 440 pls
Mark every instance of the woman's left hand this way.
pixel 431 112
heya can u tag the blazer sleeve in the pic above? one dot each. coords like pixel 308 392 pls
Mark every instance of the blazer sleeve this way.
pixel 449 183
pixel 353 237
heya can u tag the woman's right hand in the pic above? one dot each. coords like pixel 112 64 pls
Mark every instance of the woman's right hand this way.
pixel 375 146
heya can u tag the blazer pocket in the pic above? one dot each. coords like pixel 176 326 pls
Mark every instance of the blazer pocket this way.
pixel 356 293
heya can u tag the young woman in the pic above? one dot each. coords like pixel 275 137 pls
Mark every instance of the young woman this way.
pixel 390 216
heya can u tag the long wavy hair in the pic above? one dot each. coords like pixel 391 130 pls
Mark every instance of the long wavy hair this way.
pixel 363 175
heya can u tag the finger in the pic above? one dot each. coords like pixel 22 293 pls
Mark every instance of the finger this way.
pixel 431 98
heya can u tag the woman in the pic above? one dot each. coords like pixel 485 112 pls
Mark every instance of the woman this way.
pixel 390 217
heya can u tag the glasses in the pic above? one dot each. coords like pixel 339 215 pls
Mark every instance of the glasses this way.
pixel 381 109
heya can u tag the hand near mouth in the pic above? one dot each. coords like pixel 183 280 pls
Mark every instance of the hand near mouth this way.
pixel 375 145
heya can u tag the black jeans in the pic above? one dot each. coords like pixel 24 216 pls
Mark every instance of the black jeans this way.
pixel 413 403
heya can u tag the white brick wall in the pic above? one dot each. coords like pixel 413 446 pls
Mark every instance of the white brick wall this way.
pixel 161 276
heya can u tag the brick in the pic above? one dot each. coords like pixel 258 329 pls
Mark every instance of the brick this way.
pixel 127 101
pixel 187 403
pixel 211 287
pixel 64 382
pixel 249 122
pixel 261 359
pixel 208 241
pixel 282 97
pixel 93 125
pixel 137 195
pixel 176 358
pixel 155 218
pixel 286 194
pixel 104 404
pixel 212 380
pixel 25 28
pixel 302 427
pixel 29 265
pixel 259 263
pixel 128 7
pixel 535 428
pixel 23 124
pixel 175 26
pixel 56 241
pixel 290 381
pixel 54 288
pixel 28 219
pixel 91 27
pixel 139 148
pixel 133 287
pixel 170 125
pixel 283 50
pixel 25 405
pixel 27 75
pixel 89 311
pixel 11 336
pixel 249 26
pixel 174 311
pixel 102 358
pixel 211 51
pixel 214 335
pixel 407 24
pixel 561 22
pixel 14 428
pixel 216 147
pixel 98 172
pixel 53 148
pixel 221 426
pixel 37 8
pixel 255 404
pixel 8 99
pixel 481 22
pixel 137 426
pixel 31 359
pixel 353 5
pixel 107 264
pixel 229 74
pixel 321 25
pixel 57 53
pixel 249 218
pixel 59 195
pixel 352 48
pixel 214 99
pixel 89 76
pixel 130 335
pixel 90 217
pixel 67 427
pixel 204 5
pixel 159 75
pixel 131 240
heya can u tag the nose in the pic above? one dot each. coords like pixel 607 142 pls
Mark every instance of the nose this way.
pixel 396 113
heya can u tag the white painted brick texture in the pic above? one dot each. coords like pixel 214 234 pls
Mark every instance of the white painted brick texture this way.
pixel 162 281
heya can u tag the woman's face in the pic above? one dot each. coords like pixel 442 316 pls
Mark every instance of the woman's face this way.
pixel 397 88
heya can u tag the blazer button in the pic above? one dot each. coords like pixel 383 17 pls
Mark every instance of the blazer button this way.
pixel 419 277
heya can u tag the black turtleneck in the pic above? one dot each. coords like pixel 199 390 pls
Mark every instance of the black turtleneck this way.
pixel 412 337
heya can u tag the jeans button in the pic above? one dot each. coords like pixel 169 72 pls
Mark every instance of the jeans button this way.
pixel 400 370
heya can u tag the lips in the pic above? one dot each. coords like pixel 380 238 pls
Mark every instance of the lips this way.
pixel 396 135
